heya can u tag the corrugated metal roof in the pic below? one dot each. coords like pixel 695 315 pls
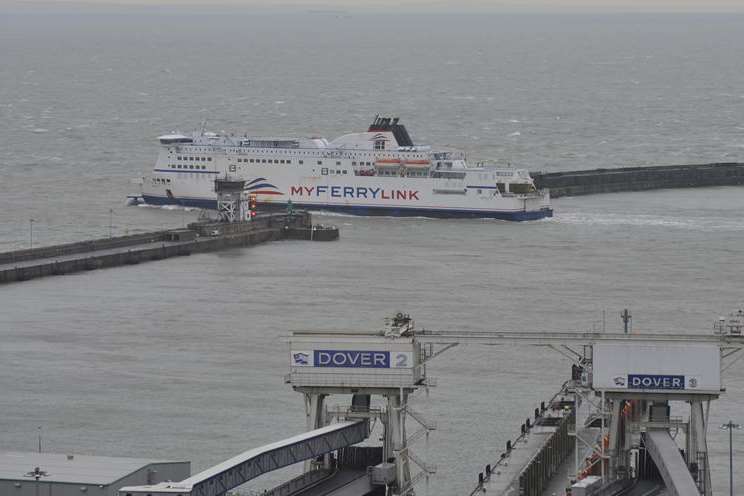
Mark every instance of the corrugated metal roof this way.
pixel 82 469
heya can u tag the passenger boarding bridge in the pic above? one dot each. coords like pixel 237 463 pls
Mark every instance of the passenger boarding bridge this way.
pixel 615 409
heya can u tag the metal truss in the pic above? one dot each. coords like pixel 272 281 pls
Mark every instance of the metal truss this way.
pixel 546 338
pixel 229 475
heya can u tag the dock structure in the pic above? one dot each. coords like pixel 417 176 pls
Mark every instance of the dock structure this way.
pixel 389 364
pixel 198 237
pixel 623 385
pixel 612 414
pixel 594 181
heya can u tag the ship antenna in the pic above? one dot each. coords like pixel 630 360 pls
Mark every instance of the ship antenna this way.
pixel 203 126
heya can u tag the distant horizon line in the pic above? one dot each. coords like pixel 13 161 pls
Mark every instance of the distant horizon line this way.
pixel 338 7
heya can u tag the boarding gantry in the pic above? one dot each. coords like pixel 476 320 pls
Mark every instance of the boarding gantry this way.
pixel 622 386
pixel 616 406
pixel 389 363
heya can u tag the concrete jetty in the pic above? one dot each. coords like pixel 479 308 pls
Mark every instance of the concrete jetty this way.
pixel 531 462
pixel 589 182
pixel 198 237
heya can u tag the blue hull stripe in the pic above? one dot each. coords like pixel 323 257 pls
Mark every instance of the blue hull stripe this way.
pixel 371 210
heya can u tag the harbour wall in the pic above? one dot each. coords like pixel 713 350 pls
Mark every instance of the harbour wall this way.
pixel 594 181
pixel 80 247
pixel 23 265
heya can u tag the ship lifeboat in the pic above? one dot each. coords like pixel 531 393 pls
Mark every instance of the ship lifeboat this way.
pixel 417 163
pixel 388 162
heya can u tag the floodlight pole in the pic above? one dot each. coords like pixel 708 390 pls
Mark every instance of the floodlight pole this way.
pixel 731 426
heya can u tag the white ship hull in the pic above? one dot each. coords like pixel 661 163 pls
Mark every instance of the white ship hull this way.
pixel 346 175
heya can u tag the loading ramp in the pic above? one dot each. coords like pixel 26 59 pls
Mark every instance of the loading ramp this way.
pixel 218 480
pixel 672 467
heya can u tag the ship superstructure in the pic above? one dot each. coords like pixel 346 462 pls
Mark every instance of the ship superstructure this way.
pixel 377 172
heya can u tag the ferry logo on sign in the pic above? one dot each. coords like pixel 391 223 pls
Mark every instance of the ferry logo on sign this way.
pixel 667 382
pixel 619 380
pixel 301 358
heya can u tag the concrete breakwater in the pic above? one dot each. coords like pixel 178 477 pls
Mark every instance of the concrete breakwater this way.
pixel 198 237
pixel 589 182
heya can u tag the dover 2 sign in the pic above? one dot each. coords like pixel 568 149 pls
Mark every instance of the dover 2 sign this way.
pixel 362 359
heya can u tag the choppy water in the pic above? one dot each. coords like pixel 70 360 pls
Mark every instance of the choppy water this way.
pixel 183 359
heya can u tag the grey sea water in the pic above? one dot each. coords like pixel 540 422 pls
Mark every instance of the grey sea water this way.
pixel 183 358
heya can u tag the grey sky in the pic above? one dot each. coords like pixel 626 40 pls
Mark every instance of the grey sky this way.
pixel 437 5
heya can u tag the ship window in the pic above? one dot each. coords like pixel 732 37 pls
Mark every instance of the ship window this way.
pixel 263 160
pixel 289 161
pixel 353 163
pixel 276 161
pixel 302 162
pixel 179 158
pixel 338 172
pixel 191 166
pixel 320 162
pixel 345 171
pixel 338 163
pixel 209 159
pixel 324 171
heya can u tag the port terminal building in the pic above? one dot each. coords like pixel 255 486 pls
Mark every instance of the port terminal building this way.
pixel 54 474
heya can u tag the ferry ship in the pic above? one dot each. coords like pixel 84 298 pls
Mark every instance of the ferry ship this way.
pixel 377 172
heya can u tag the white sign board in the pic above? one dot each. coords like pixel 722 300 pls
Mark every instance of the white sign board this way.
pixel 356 359
pixel 653 368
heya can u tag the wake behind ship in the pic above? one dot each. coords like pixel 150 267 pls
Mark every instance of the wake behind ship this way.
pixel 377 172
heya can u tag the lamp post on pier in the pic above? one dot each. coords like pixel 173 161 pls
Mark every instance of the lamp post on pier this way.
pixel 730 426
pixel 31 233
